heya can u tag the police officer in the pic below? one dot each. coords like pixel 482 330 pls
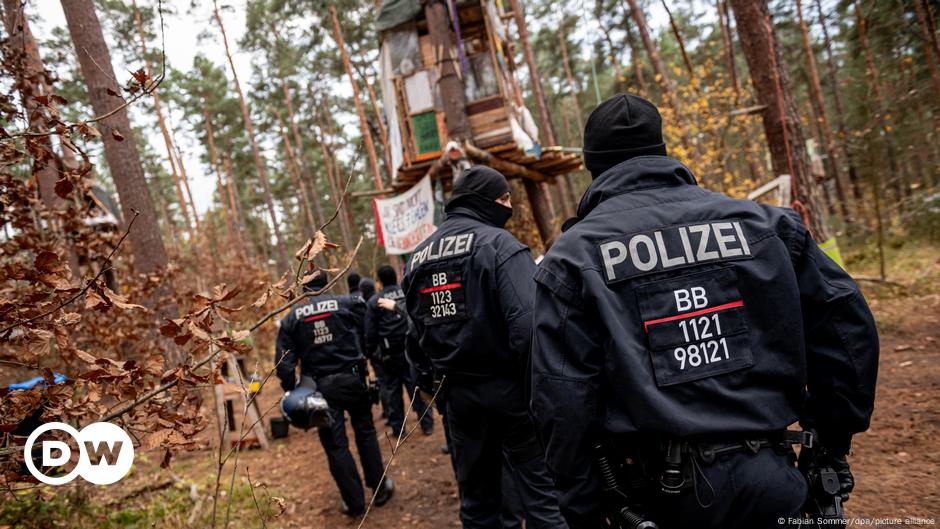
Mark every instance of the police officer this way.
pixel 366 288
pixel 352 283
pixel 385 334
pixel 687 331
pixel 469 292
pixel 323 335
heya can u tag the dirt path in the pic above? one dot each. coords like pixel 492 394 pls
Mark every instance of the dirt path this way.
pixel 896 464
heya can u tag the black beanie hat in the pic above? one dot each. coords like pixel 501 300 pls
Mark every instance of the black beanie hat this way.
pixel 317 283
pixel 387 275
pixel 480 180
pixel 352 281
pixel 477 189
pixel 366 288
pixel 623 127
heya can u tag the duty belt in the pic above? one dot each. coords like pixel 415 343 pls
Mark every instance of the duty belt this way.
pixel 681 458
pixel 708 452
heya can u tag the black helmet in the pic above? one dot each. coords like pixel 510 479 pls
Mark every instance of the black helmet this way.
pixel 304 406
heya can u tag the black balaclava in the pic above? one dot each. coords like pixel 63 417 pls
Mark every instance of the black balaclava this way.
pixel 477 189
pixel 623 127
pixel 352 281
pixel 387 275
pixel 317 283
pixel 366 288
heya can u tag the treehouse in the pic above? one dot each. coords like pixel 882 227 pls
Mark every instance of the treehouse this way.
pixel 420 86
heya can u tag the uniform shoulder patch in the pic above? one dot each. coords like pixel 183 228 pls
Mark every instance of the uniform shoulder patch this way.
pixel 673 247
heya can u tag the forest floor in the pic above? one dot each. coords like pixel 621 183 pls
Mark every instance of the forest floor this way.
pixel 896 463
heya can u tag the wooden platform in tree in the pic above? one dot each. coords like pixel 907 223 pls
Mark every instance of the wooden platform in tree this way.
pixel 544 168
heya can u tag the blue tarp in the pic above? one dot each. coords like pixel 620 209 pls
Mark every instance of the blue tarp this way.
pixel 57 378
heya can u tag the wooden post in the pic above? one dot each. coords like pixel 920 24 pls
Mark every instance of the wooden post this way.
pixel 449 84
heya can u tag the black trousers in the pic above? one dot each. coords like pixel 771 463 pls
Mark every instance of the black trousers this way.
pixel 487 418
pixel 396 375
pixel 742 490
pixel 346 393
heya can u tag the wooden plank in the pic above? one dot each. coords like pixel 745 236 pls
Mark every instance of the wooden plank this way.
pixel 486 104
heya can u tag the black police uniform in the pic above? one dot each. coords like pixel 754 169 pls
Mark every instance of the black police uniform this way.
pixel 323 334
pixel 668 313
pixel 469 292
pixel 385 335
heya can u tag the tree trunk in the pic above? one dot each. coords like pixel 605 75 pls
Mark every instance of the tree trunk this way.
pixel 332 171
pixel 234 233
pixel 357 99
pixel 170 150
pixel 383 133
pixel 816 97
pixel 121 155
pixel 31 83
pixel 548 132
pixel 723 23
pixel 662 75
pixel 282 259
pixel 634 58
pixel 294 172
pixel 235 202
pixel 572 88
pixel 314 198
pixel 449 85
pixel 679 39
pixel 781 120
pixel 929 52
pixel 837 103
pixel 875 87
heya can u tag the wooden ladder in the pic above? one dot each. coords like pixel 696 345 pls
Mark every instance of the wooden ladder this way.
pixel 230 405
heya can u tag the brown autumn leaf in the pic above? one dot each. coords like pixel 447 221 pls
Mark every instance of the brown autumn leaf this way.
pixel 309 277
pixel 95 301
pixel 47 261
pixel 240 335
pixel 172 327
pixel 299 254
pixel 58 99
pixel 85 357
pixel 198 332
pixel 112 93
pixel 140 76
pixel 63 187
pixel 260 302
pixel 87 131
pixel 119 301
pixel 319 242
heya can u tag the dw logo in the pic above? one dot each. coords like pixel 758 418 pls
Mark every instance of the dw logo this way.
pixel 106 453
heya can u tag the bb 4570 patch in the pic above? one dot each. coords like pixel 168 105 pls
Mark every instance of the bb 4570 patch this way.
pixel 695 326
